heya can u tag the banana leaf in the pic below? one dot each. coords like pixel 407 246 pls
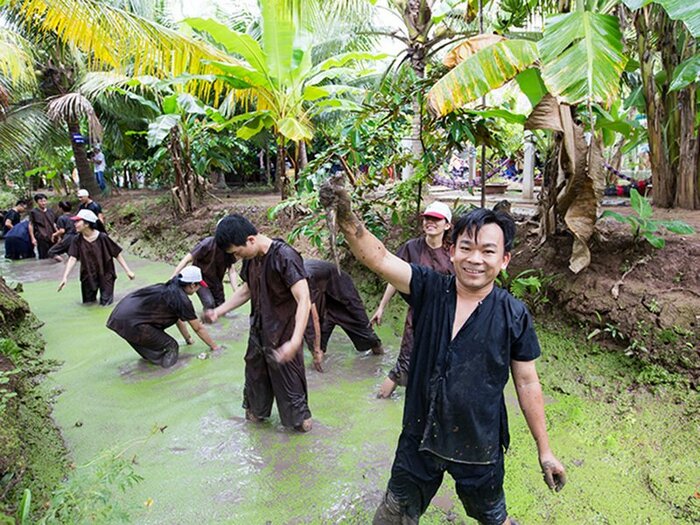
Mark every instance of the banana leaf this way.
pixel 582 57
pixel 482 72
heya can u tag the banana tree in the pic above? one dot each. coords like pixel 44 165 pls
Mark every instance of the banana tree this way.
pixel 279 75
pixel 579 60
pixel 669 58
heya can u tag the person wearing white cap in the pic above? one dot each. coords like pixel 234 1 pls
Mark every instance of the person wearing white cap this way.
pixel 86 203
pixel 96 252
pixel 431 250
pixel 142 317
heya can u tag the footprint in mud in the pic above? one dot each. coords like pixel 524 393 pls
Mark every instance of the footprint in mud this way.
pixel 140 369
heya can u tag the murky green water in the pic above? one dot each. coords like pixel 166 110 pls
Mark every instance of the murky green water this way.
pixel 632 458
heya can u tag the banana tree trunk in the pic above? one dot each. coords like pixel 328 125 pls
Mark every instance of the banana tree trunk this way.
pixel 687 188
pixel 662 178
pixel 185 189
pixel 86 173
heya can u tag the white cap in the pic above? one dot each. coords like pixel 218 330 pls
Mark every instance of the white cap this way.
pixel 191 274
pixel 83 193
pixel 85 215
pixel 439 210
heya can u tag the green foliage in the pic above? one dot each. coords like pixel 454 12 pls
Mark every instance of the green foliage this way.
pixel 24 509
pixel 530 286
pixel 656 375
pixel 606 329
pixel 582 57
pixel 91 494
pixel 643 225
pixel 5 394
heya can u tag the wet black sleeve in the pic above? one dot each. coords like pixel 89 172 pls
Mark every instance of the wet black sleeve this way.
pixel 290 265
pixel 186 311
pixel 525 346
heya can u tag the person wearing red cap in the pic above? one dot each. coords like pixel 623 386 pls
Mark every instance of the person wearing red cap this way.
pixel 142 317
pixel 96 252
pixel 431 250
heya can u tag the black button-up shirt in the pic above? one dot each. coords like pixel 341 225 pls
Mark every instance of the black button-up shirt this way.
pixel 454 397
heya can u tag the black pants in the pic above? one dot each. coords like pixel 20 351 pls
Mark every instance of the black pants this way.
pixel 266 381
pixel 42 247
pixel 417 475
pixel 104 284
pixel 61 246
pixel 211 296
pixel 150 342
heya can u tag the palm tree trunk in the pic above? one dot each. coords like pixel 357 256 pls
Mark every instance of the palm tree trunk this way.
pixel 86 173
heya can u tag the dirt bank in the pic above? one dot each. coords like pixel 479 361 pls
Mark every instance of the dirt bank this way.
pixel 32 453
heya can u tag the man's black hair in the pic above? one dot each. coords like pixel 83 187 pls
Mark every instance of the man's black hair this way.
pixel 39 196
pixel 476 219
pixel 22 202
pixel 65 205
pixel 233 230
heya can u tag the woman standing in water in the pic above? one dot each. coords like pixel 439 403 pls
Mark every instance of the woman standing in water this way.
pixel 431 250
pixel 96 252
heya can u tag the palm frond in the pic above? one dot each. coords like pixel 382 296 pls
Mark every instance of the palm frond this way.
pixel 26 129
pixel 123 41
pixel 16 60
pixel 74 106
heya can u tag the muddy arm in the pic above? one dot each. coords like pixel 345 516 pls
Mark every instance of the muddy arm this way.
pixel 202 333
pixel 365 247
pixel 187 259
pixel 122 262
pixel 529 390
pixel 239 297
pixel 300 291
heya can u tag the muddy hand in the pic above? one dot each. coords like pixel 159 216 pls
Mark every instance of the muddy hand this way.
pixel 554 475
pixel 318 360
pixel 286 352
pixel 333 195
pixel 61 285
pixel 209 316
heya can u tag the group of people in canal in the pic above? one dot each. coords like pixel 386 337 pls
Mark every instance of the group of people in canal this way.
pixel 463 336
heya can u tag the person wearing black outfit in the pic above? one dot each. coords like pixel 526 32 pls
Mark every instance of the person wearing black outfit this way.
pixel 64 234
pixel 336 302
pixel 13 216
pixel 215 263
pixel 468 335
pixel 42 225
pixel 274 280
pixel 86 203
pixel 96 252
pixel 142 317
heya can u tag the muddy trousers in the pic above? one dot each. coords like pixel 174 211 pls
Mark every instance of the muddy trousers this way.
pixel 151 343
pixel 266 381
pixel 42 247
pixel 105 285
pixel 61 246
pixel 417 475
pixel 211 297
pixel 399 374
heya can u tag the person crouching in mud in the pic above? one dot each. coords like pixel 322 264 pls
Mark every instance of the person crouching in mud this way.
pixel 96 252
pixel 142 317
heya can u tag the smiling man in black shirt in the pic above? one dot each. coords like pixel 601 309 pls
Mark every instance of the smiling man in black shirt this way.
pixel 468 335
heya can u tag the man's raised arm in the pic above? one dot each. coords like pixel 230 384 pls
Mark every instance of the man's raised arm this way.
pixel 365 247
